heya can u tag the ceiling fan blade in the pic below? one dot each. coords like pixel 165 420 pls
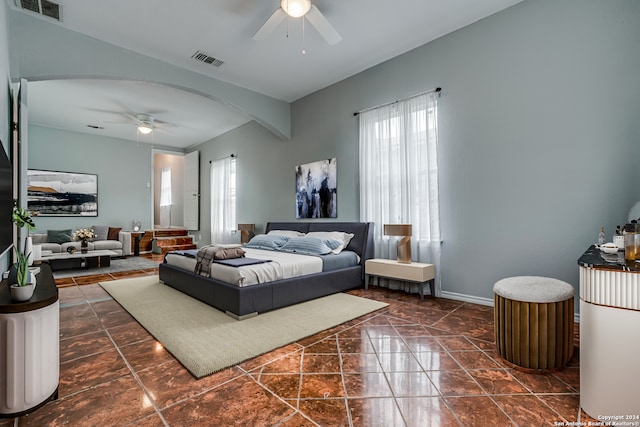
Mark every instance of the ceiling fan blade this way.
pixel 162 123
pixel 163 130
pixel 132 117
pixel 271 24
pixel 323 26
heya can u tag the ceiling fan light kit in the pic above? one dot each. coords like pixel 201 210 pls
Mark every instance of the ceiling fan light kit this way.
pixel 299 9
pixel 143 129
pixel 145 126
pixel 295 8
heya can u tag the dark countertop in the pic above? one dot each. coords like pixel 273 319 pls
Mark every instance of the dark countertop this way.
pixel 46 293
pixel 595 258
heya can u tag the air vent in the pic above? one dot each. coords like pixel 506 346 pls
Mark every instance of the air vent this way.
pixel 203 57
pixel 41 7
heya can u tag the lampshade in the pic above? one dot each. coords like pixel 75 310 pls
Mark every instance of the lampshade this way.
pixel 404 245
pixel 246 232
pixel 295 8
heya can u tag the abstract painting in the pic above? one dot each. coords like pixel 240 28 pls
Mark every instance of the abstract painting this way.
pixel 316 191
pixel 51 193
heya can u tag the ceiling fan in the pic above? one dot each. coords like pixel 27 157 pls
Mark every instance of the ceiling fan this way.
pixel 299 9
pixel 146 123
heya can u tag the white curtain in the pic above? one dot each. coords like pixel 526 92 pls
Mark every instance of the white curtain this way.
pixel 223 200
pixel 165 197
pixel 399 178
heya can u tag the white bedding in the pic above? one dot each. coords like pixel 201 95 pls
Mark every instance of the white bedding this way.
pixel 282 266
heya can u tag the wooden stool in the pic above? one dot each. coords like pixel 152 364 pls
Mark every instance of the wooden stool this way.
pixel 534 321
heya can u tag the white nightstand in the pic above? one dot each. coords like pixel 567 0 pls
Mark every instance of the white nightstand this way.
pixel 414 272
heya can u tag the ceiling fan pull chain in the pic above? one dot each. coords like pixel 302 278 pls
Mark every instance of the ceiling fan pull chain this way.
pixel 303 51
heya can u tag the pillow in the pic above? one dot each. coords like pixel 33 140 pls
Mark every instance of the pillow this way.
pixel 310 245
pixel 265 241
pixel 341 236
pixel 101 232
pixel 112 234
pixel 58 236
pixel 286 233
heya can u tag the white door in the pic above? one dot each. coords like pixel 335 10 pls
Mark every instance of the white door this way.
pixel 192 191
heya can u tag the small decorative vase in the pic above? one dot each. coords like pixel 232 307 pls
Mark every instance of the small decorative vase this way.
pixel 28 249
pixel 22 293
pixel 84 247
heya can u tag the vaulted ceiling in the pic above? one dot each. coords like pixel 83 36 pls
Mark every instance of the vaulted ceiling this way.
pixel 372 32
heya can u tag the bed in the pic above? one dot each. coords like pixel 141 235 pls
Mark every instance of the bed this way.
pixel 246 301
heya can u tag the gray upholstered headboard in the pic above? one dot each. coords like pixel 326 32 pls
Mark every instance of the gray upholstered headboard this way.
pixel 362 242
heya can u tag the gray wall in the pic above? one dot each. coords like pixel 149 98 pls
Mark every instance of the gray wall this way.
pixel 539 138
pixel 123 169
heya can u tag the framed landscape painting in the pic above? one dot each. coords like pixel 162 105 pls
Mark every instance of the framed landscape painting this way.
pixel 316 190
pixel 52 193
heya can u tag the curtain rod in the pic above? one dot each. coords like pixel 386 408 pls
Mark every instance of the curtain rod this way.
pixel 230 155
pixel 436 90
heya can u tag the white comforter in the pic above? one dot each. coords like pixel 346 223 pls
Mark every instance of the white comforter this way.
pixel 282 266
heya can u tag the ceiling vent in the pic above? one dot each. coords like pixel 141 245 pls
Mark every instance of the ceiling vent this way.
pixel 41 7
pixel 203 57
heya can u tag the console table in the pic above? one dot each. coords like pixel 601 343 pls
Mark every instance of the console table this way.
pixel 29 347
pixel 609 345
pixel 414 272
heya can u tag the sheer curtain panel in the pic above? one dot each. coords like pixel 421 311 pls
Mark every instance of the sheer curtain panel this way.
pixel 223 200
pixel 399 178
pixel 165 197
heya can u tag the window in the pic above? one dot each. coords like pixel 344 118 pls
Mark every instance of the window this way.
pixel 399 175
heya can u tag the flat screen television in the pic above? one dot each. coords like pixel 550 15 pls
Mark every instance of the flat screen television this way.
pixel 6 201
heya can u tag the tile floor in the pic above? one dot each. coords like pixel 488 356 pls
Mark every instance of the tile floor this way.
pixel 414 363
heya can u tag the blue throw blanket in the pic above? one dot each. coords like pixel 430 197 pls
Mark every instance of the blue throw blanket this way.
pixel 239 262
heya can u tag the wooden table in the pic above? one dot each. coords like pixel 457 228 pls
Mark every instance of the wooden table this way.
pixel 414 272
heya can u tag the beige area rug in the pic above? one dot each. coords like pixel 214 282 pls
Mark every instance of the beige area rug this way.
pixel 205 340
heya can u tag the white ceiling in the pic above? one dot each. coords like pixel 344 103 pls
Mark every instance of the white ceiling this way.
pixel 372 31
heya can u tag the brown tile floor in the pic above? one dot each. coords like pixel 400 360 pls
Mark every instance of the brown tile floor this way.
pixel 415 363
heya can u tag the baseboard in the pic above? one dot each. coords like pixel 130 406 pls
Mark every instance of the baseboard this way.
pixel 483 301
pixel 467 298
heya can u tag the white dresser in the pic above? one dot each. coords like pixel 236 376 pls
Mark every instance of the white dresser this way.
pixel 609 337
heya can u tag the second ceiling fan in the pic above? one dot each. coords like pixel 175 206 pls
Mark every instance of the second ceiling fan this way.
pixel 299 9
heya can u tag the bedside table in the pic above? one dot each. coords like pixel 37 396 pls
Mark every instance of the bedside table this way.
pixel 414 272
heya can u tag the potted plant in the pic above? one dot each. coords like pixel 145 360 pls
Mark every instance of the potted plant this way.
pixel 21 278
pixel 22 218
pixel 23 289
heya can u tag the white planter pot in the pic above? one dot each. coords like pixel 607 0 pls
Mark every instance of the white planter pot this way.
pixel 22 293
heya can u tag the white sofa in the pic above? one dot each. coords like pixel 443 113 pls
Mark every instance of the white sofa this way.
pixel 122 246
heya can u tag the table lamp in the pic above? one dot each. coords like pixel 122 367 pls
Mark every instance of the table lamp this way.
pixel 404 245
pixel 246 232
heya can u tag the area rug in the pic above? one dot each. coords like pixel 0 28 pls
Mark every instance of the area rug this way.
pixel 205 340
pixel 117 265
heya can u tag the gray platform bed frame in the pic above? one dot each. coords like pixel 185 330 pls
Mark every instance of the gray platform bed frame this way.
pixel 243 302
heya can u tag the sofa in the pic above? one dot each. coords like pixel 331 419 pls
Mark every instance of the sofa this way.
pixel 107 238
